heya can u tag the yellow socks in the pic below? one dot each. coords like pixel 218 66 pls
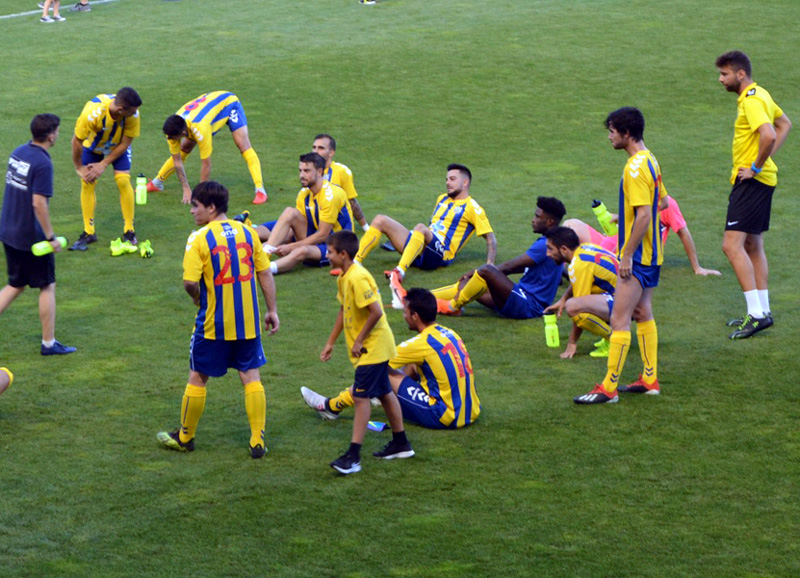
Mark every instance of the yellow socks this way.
pixel 475 287
pixel 254 166
pixel 619 345
pixel 88 203
pixel 447 292
pixel 194 402
pixel 593 324
pixel 255 403
pixel 647 335
pixel 341 401
pixel 368 242
pixel 123 181
pixel 412 250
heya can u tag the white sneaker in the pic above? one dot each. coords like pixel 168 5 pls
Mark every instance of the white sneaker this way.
pixel 319 403
pixel 46 19
pixel 59 18
pixel 367 2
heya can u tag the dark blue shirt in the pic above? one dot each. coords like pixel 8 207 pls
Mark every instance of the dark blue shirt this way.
pixel 30 171
pixel 540 281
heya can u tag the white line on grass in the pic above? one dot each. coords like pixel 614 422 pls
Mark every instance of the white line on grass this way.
pixel 32 12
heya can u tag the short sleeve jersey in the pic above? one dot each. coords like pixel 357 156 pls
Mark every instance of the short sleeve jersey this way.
pixel 29 172
pixel 341 175
pixel 593 270
pixel 205 116
pixel 224 257
pixel 641 186
pixel 454 221
pixel 329 205
pixel 445 373
pixel 98 131
pixel 356 291
pixel 540 281
pixel 754 107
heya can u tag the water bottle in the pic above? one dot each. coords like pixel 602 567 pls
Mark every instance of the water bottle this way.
pixel 141 190
pixel 551 331
pixel 44 247
pixel 604 218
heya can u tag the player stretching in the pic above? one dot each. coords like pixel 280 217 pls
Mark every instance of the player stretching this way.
pixel 639 260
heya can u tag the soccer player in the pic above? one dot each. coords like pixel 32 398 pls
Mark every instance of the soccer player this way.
pixel 431 373
pixel 25 220
pixel 491 286
pixel 760 129
pixel 338 174
pixel 640 259
pixel 589 299
pixel 370 344
pixel 671 220
pixel 223 266
pixel 456 217
pixel 195 124
pixel 103 135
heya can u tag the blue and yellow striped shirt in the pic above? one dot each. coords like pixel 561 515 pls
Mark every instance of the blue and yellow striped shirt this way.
pixel 329 205
pixel 454 221
pixel 205 116
pixel 592 271
pixel 641 186
pixel 98 131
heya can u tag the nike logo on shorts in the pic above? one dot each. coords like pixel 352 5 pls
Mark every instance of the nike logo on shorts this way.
pixel 732 223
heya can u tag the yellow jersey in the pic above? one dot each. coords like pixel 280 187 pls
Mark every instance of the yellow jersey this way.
pixel 592 271
pixel 341 175
pixel 754 107
pixel 329 205
pixel 98 131
pixel 205 116
pixel 454 221
pixel 641 185
pixel 224 258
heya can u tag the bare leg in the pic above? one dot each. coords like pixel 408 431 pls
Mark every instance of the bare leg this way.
pixel 361 419
pixel 47 312
pixel 7 296
pixel 733 245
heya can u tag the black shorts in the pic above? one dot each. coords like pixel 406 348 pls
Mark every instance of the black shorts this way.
pixel 25 268
pixel 372 380
pixel 749 206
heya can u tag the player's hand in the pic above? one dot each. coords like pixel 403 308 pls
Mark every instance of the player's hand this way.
pixel 745 173
pixel 56 246
pixel 625 267
pixel 94 170
pixel 83 173
pixel 271 322
pixel 466 276
pixel 569 352
pixel 358 348
pixel 706 272
pixel 558 307
pixel 187 197
pixel 327 352
pixel 283 250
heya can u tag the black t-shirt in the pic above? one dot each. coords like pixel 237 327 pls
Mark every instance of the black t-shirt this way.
pixel 30 171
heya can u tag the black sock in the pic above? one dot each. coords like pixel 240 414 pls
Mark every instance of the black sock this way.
pixel 400 437
pixel 354 450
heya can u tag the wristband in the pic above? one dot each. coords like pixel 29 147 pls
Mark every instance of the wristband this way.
pixel 365 227
pixel 755 169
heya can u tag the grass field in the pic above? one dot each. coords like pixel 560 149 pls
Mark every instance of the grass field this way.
pixel 701 481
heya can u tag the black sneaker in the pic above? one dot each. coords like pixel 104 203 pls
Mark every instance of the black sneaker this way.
pixel 257 452
pixel 346 464
pixel 83 242
pixel 750 326
pixel 242 217
pixel 392 450
pixel 387 246
pixel 58 349
pixel 172 440
pixel 129 237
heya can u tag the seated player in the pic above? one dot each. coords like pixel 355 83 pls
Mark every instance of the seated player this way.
pixel 338 174
pixel 195 124
pixel 431 373
pixel 671 220
pixel 299 235
pixel 490 285
pixel 589 299
pixel 456 217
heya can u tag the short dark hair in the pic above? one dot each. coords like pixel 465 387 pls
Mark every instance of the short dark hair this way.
pixel 627 120
pixel 344 240
pixel 211 193
pixel 563 237
pixel 43 125
pixel 315 159
pixel 331 140
pixel 422 302
pixel 174 126
pixel 737 60
pixel 129 96
pixel 461 168
pixel 553 207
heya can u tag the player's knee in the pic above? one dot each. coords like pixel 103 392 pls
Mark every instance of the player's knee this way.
pixel 571 308
pixel 379 222
pixel 420 228
pixel 486 270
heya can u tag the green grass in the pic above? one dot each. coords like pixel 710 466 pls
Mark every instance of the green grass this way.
pixel 701 481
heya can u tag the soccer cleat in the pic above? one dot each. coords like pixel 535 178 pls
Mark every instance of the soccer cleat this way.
pixel 366 2
pixel 768 321
pixel 80 8
pixel 750 326
pixel 58 349
pixel 129 237
pixel 319 403
pixel 393 451
pixel 443 306
pixel 172 440
pixel 261 196
pixel 154 188
pixel 600 350
pixel 244 218
pixel 258 451
pixel 83 242
pixel 387 246
pixel 639 386
pixel 336 272
pixel 145 249
pixel 597 395
pixel 396 285
pixel 346 464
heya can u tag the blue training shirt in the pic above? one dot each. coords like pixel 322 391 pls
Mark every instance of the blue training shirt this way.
pixel 540 281
pixel 30 171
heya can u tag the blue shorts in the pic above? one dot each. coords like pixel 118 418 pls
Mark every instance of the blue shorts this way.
pixel 372 380
pixel 214 356
pixel 610 303
pixel 323 247
pixel 647 275
pixel 520 305
pixel 414 403
pixel 123 163
pixel 432 256
pixel 236 119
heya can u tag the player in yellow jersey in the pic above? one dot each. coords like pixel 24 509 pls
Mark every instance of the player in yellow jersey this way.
pixel 589 300
pixel 338 174
pixel 431 373
pixel 760 129
pixel 195 124
pixel 370 344
pixel 223 268
pixel 639 257
pixel 456 217
pixel 103 135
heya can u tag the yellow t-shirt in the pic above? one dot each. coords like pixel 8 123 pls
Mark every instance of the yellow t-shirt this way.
pixel 98 131
pixel 339 174
pixel 754 107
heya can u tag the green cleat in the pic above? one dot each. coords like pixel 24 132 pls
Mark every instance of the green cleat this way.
pixel 600 350
pixel 172 441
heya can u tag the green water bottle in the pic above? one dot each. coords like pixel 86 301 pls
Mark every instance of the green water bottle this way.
pixel 141 190
pixel 604 218
pixel 44 247
pixel 551 331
